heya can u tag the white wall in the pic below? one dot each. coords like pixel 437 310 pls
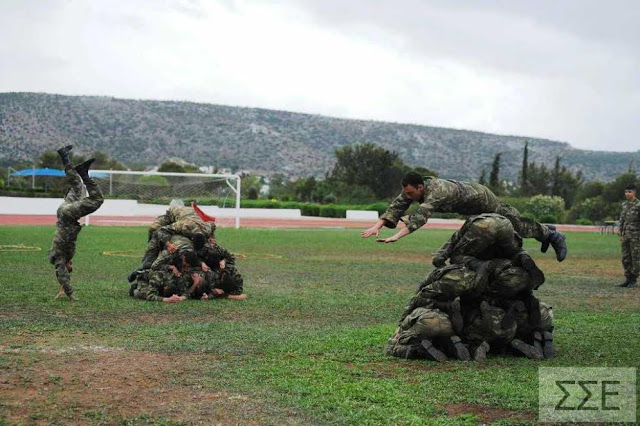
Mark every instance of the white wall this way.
pixel 49 206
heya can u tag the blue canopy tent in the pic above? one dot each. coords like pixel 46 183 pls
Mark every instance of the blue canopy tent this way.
pixel 49 172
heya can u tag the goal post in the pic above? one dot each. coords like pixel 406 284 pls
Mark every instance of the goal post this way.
pixel 206 189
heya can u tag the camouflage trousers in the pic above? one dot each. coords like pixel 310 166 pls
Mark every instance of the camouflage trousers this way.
pixel 631 258
pixel 421 323
pixel 482 233
pixel 70 211
pixel 525 227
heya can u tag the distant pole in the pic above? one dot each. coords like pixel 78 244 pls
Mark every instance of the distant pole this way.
pixel 33 176
pixel 238 203
pixel 110 182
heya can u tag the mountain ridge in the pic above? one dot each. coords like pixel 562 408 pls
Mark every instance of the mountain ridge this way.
pixel 265 141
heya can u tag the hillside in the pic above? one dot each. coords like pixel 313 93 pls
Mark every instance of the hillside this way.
pixel 263 141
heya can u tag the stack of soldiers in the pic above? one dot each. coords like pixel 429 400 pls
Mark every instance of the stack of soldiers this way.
pixel 183 261
pixel 481 302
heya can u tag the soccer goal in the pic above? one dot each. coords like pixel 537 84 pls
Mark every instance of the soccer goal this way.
pixel 160 188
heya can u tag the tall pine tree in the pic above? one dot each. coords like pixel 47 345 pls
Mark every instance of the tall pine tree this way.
pixel 524 174
pixel 494 177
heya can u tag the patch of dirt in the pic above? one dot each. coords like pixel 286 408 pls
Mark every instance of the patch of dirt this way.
pixel 486 413
pixel 85 384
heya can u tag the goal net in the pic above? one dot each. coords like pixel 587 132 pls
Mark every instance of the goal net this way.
pixel 160 188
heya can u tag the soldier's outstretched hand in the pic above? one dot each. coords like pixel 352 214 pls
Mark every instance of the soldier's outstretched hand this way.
pixel 374 230
pixel 174 299
pixel 387 240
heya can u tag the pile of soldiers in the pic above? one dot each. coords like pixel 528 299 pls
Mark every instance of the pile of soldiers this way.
pixel 183 261
pixel 481 302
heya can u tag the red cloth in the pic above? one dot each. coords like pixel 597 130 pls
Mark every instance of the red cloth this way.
pixel 205 217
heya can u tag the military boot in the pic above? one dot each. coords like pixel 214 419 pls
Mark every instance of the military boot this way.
pixel 537 341
pixel 528 264
pixel 626 283
pixel 545 244
pixel 509 318
pixel 435 353
pixel 83 169
pixel 548 349
pixel 559 244
pixel 65 155
pixel 455 314
pixel 525 349
pixel 483 270
pixel 480 354
pixel 459 349
pixel 557 241
pixel 533 310
pixel 133 275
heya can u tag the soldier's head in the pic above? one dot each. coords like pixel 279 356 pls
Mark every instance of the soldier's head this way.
pixel 198 240
pixel 413 186
pixel 630 192
pixel 190 259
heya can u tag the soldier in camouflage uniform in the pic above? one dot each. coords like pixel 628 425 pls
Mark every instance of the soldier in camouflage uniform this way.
pixel 74 207
pixel 189 222
pixel 450 196
pixel 485 237
pixel 630 237
pixel 415 335
pixel 225 278
pixel 159 286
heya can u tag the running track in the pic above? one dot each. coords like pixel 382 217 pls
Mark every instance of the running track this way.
pixel 303 222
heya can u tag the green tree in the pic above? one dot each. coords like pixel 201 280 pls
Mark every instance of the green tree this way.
pixel 371 166
pixel 171 167
pixel 545 208
pixel 153 180
pixel 524 173
pixel 614 191
pixel 104 162
pixel 539 179
pixel 494 176
pixel 50 159
pixel 483 177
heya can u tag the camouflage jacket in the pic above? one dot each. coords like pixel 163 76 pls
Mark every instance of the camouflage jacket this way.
pixel 186 227
pixel 487 227
pixel 153 286
pixel 212 254
pixel 443 196
pixel 166 259
pixel 64 241
pixel 630 219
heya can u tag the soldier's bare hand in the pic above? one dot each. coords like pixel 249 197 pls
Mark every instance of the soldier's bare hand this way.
pixel 237 296
pixel 173 299
pixel 223 264
pixel 217 292
pixel 387 240
pixel 374 230
pixel 205 267
pixel 204 296
pixel 171 247
pixel 60 293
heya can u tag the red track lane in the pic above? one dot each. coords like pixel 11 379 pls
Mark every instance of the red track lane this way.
pixel 304 222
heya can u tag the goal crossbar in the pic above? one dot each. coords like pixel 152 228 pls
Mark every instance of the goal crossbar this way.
pixel 227 177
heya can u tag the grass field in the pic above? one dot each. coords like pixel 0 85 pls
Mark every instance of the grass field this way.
pixel 304 348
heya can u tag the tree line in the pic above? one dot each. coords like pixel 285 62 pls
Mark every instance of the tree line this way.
pixel 366 173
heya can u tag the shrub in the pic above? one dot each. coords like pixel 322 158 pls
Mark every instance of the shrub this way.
pixel 154 180
pixel 545 208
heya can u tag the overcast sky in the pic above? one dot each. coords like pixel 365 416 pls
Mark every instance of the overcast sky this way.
pixel 562 70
